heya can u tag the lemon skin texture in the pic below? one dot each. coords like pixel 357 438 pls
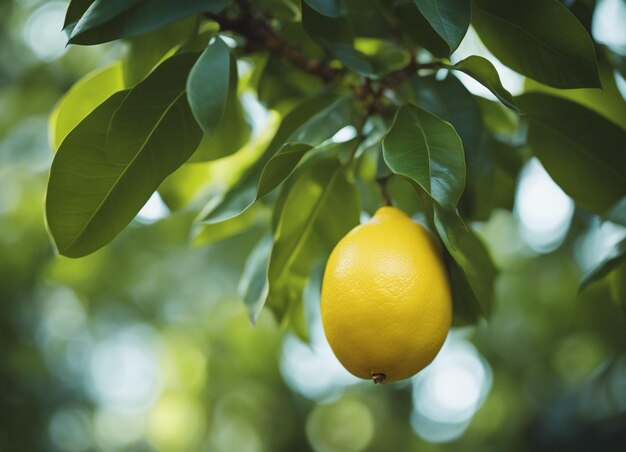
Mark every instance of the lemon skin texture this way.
pixel 386 303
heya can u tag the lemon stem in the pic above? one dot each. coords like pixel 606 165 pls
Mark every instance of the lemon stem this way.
pixel 379 378
pixel 382 183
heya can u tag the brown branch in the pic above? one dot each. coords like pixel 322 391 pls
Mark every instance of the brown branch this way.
pixel 261 36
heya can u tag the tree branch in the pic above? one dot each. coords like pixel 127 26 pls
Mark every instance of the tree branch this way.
pixel 260 36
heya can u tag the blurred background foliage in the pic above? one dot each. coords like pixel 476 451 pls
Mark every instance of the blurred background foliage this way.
pixel 146 344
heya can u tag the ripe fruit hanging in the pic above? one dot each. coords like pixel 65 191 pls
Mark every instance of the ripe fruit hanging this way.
pixel 386 302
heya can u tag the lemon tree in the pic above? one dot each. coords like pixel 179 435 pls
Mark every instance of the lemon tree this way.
pixel 299 118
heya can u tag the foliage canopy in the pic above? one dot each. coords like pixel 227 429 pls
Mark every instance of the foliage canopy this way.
pixel 184 96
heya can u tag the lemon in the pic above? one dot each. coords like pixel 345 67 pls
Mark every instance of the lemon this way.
pixel 386 302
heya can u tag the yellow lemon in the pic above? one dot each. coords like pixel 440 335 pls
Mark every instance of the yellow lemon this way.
pixel 386 302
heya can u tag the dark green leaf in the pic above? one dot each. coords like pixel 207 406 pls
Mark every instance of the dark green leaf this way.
pixel 144 52
pixel 428 151
pixel 449 18
pixel 618 286
pixel 617 213
pixel 253 286
pixel 470 254
pixel 280 166
pixel 281 84
pixel 500 121
pixel 419 31
pixel 583 152
pixel 452 102
pixel 75 11
pixel 233 130
pixel 608 264
pixel 321 208
pixel 540 39
pixel 466 309
pixel 335 37
pixel 607 101
pixel 330 8
pixel 311 123
pixel 99 180
pixel 150 110
pixel 108 20
pixel 483 72
pixel 207 85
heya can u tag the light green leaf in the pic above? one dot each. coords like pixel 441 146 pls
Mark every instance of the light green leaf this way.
pixel 321 208
pixel 207 85
pixel 583 152
pixel 541 39
pixel 253 286
pixel 608 264
pixel 205 234
pixel 449 18
pixel 280 166
pixel 485 73
pixel 108 20
pixel 428 151
pixel 311 123
pixel 82 99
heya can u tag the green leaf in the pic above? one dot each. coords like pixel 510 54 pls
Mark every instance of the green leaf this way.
pixel 311 123
pixel 608 264
pixel 501 121
pixel 466 309
pixel 485 73
pixel 155 108
pixel 280 84
pixel 617 213
pixel 582 151
pixel 428 151
pixel 207 85
pixel 279 167
pixel 334 35
pixel 540 39
pixel 470 254
pixel 320 209
pixel 75 11
pixel 86 94
pixel 330 8
pixel 607 101
pixel 145 52
pixel 618 286
pixel 419 31
pixel 101 177
pixel 253 286
pixel 449 18
pixel 108 20
pixel 206 234
pixel 206 89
